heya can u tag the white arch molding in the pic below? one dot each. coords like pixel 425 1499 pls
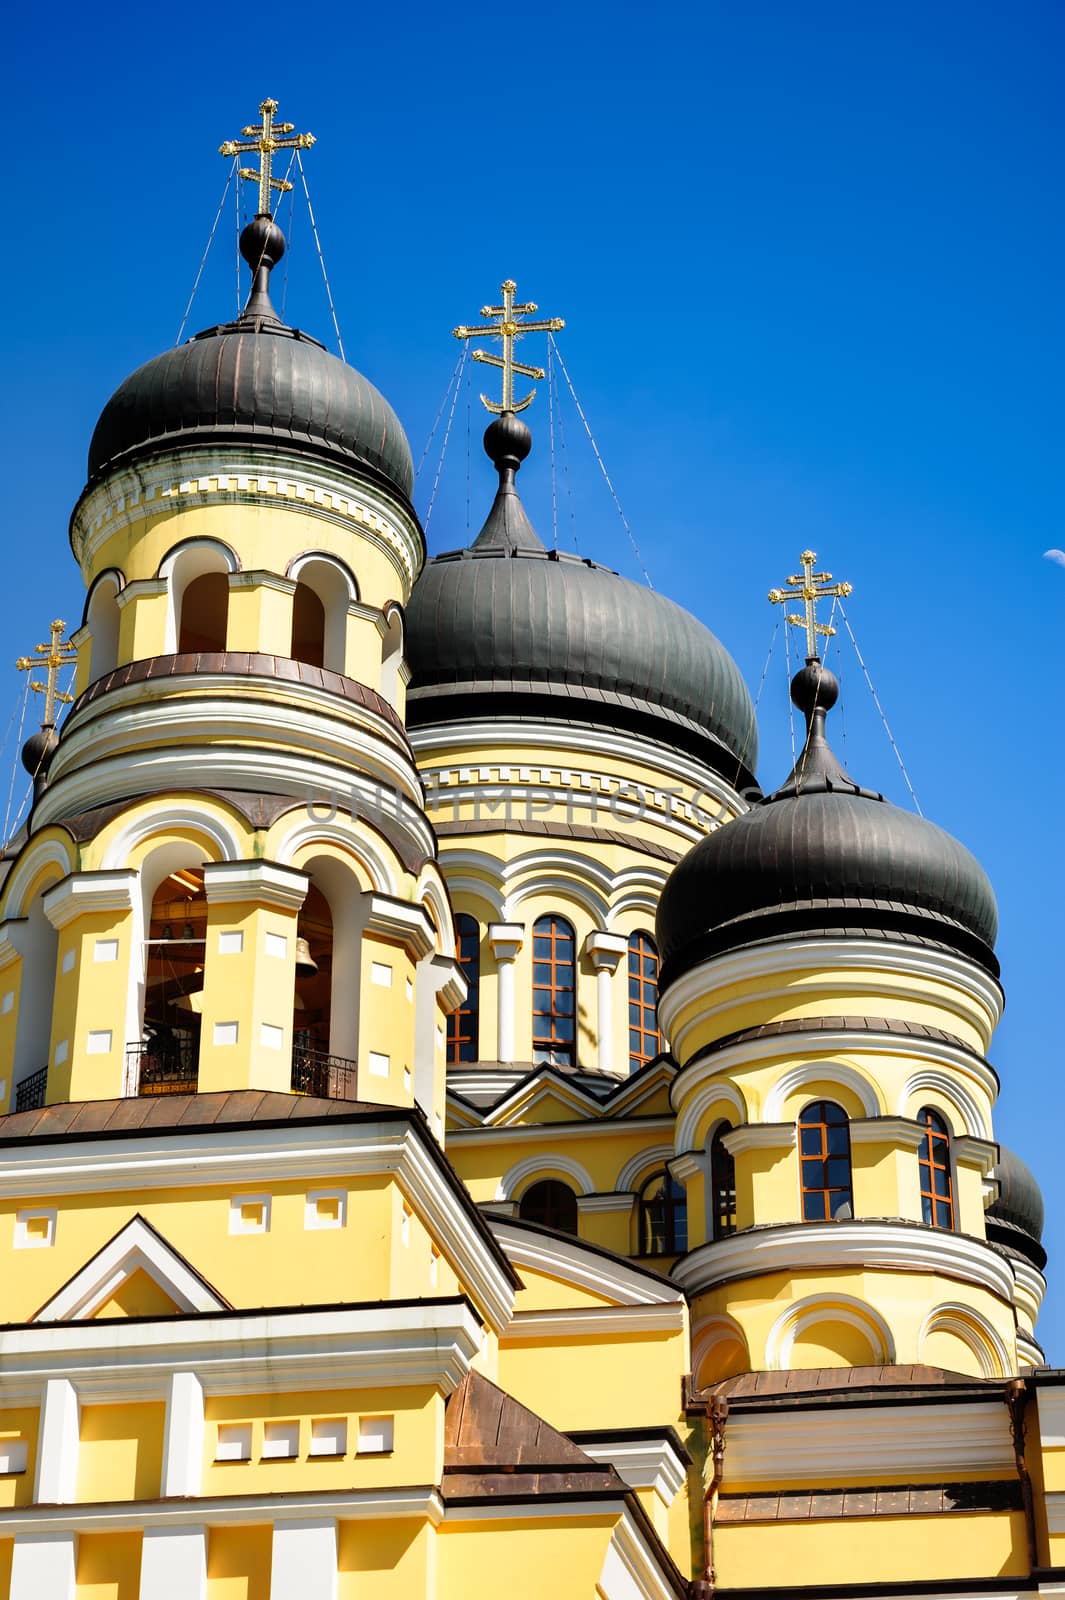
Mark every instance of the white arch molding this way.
pixel 718 1329
pixel 976 1333
pixel 806 1314
pixel 220 834
pixel 715 1092
pixel 821 1072
pixel 102 617
pixel 328 831
pixel 641 1166
pixel 965 1105
pixel 542 1166
pixel 40 854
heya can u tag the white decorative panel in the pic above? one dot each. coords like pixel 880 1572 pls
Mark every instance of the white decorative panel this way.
pixel 99 1042
pixel 329 1436
pixel 271 1037
pixel 34 1230
pixel 105 950
pixel 381 974
pixel 230 942
pixel 276 945
pixel 234 1442
pixel 281 1441
pixel 225 1033
pixel 376 1435
pixel 379 1065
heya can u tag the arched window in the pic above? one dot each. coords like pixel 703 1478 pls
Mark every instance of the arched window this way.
pixel 550 1203
pixel 204 613
pixel 102 620
pixel 308 626
pixel 937 1186
pixel 645 1040
pixel 825 1157
pixel 462 1025
pixel 554 992
pixel 722 1185
pixel 663 1215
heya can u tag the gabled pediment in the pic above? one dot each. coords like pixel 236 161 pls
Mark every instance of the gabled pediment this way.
pixel 115 1279
pixel 545 1096
pixel 646 1091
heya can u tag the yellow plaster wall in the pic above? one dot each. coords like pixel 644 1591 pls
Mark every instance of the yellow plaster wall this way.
pixel 16 1489
pixel 7 1550
pixel 253 990
pixel 10 984
pixel 386 1024
pixel 121 1453
pixel 416 1458
pixel 951 1545
pixel 109 1566
pixel 589 1383
pixel 388 1560
pixel 90 997
pixel 512 1558
pixel 239 1562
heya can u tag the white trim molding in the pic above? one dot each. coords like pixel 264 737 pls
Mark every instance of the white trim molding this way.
pixel 594 1322
pixel 136 1248
pixel 262 882
pixel 817 1309
pixel 83 893
pixel 573 1262
pixel 815 1072
pixel 760 1136
pixel 874 1442
pixel 854 964
pixel 869 1246
pixel 539 1166
pixel 975 1332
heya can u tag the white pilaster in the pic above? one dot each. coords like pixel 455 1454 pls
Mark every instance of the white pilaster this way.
pixel 57 1449
pixel 304 1561
pixel 174 1564
pixel 183 1447
pixel 506 939
pixel 603 951
pixel 43 1564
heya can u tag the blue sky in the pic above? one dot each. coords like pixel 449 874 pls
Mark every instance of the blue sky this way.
pixel 810 260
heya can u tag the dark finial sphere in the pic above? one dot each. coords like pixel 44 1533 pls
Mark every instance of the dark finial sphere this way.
pixel 38 750
pixel 262 244
pixel 507 441
pixel 813 686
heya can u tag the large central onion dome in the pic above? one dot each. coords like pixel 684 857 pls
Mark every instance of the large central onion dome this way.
pixel 824 856
pixel 553 635
pixel 253 381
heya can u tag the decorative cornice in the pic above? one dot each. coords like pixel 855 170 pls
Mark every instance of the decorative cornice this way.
pixel 429 1342
pixel 506 939
pixel 760 1136
pixel 84 893
pixel 897 1131
pixel 262 882
pixel 599 1204
pixel 261 578
pixel 594 1322
pixel 980 1153
pixel 870 1442
pixel 230 1511
pixel 721 975
pixel 406 924
pixel 604 950
pixel 644 1463
pixel 572 1261
pixel 140 588
pixel 858 1244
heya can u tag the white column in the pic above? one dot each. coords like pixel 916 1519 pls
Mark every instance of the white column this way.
pixel 173 1564
pixel 43 1564
pixel 57 1447
pixel 603 951
pixel 506 939
pixel 304 1561
pixel 183 1446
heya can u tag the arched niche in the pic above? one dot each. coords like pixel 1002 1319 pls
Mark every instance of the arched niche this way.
pixel 197 575
pixel 103 618
pixel 324 590
pixel 392 654
pixel 337 892
pixel 38 943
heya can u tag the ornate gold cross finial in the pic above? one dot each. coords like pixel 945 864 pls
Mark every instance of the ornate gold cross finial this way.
pixel 810 587
pixel 266 138
pixel 52 656
pixel 507 327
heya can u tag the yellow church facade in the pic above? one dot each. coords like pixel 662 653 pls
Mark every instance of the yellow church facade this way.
pixel 457 1133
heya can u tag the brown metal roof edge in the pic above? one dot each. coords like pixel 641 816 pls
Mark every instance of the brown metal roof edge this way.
pixel 323 1114
pixel 231 1312
pixel 869 1591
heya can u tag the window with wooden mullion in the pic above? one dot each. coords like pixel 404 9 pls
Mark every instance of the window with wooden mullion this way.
pixel 554 992
pixel 937 1185
pixel 825 1161
pixel 645 1040
pixel 463 1042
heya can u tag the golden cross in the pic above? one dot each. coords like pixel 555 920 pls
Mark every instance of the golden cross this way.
pixel 264 138
pixel 810 587
pixel 55 654
pixel 507 327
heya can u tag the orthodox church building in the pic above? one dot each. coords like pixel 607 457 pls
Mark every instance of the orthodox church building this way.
pixel 458 1135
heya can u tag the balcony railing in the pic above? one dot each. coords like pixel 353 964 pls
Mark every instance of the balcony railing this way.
pixel 169 1068
pixel 30 1093
pixel 328 1077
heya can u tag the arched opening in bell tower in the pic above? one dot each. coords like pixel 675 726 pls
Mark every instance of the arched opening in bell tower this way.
pixel 324 591
pixel 39 944
pixel 313 995
pixel 166 1057
pixel 204 614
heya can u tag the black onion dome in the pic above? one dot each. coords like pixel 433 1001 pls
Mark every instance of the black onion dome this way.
pixel 824 856
pixel 1015 1219
pixel 253 381
pixel 547 633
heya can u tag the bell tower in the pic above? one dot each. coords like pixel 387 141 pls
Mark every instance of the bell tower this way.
pixel 229 880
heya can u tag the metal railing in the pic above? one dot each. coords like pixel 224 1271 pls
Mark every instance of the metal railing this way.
pixel 328 1077
pixel 163 1069
pixel 30 1093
